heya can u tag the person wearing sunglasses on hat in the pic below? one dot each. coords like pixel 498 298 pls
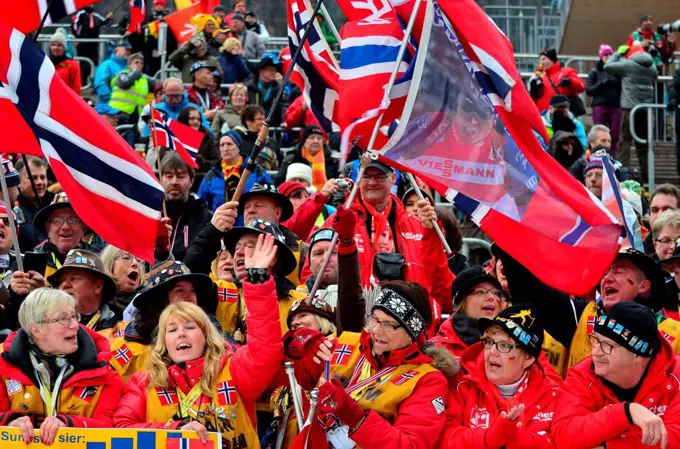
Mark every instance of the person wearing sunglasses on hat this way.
pixel 558 118
pixel 382 387
pixel 55 372
pixel 632 277
pixel 626 392
pixel 506 398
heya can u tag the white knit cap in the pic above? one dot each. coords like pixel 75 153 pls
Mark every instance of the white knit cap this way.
pixel 59 36
pixel 299 170
pixel 634 200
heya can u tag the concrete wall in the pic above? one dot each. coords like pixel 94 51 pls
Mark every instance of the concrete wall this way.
pixel 592 22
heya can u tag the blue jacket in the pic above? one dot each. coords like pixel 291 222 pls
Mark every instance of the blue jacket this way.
pixel 106 71
pixel 579 132
pixel 174 110
pixel 212 187
pixel 234 68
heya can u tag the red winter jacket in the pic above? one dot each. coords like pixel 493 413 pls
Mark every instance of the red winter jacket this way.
pixel 557 73
pixel 253 366
pixel 91 370
pixel 417 425
pixel 421 248
pixel 214 100
pixel 69 71
pixel 589 414
pixel 299 114
pixel 474 406
pixel 303 220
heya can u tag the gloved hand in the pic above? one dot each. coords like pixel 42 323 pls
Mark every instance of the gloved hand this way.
pixel 565 82
pixel 334 399
pixel 623 49
pixel 303 342
pixel 344 222
pixel 500 433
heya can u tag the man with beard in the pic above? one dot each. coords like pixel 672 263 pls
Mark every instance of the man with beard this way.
pixel 188 213
pixel 30 236
pixel 318 244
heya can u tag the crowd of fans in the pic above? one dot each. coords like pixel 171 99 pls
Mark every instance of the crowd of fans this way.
pixel 407 347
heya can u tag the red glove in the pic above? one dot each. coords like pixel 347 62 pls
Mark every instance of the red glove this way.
pixel 302 343
pixel 344 222
pixel 500 433
pixel 334 399
pixel 163 235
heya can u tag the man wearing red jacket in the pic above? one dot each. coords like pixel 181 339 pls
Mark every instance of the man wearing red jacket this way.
pixel 383 225
pixel 626 393
pixel 553 80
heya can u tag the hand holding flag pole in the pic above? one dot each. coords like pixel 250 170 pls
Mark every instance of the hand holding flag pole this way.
pixel 262 136
pixel 437 229
pixel 366 157
pixel 294 389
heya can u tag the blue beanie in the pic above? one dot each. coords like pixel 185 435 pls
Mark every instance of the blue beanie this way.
pixel 235 136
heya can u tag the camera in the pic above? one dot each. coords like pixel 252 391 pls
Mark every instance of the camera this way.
pixel 344 184
pixel 668 28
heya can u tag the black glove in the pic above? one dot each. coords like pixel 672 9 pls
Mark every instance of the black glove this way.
pixel 565 82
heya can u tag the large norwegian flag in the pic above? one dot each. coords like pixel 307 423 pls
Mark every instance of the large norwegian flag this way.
pixel 25 15
pixel 368 56
pixel 137 14
pixel 455 136
pixel 316 71
pixel 180 22
pixel 104 178
pixel 177 136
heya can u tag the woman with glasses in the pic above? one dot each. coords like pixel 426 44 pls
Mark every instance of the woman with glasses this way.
pixel 127 271
pixel 382 387
pixel 54 372
pixel 476 294
pixel 505 399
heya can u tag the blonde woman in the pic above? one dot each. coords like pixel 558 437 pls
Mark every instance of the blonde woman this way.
pixel 233 64
pixel 127 272
pixel 193 382
pixel 230 117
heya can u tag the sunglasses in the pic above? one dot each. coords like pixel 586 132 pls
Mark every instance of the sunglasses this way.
pixel 478 108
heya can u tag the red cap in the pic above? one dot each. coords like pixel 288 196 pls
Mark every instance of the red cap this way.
pixel 159 3
pixel 3 210
pixel 287 188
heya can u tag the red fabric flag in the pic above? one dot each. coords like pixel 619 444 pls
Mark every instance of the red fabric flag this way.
pixel 137 14
pixel 176 136
pixel 25 15
pixel 179 22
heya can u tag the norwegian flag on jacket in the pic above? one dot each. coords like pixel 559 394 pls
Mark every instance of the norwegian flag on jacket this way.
pixel 104 178
pixel 316 70
pixel 177 136
pixel 137 14
pixel 25 15
pixel 489 164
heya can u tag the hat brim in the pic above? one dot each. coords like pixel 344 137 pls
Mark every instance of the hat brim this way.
pixel 256 66
pixel 40 219
pixel 110 287
pixel 560 105
pixel 286 256
pixel 201 282
pixel 283 202
pixel 380 166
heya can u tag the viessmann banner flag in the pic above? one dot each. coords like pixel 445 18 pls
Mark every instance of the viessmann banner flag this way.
pixel 70 438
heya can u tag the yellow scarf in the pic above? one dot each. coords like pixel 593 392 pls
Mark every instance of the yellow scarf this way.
pixel 318 167
pixel 232 175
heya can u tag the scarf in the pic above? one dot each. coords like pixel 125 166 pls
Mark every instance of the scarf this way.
pixel 232 175
pixel 466 328
pixel 381 232
pixel 318 163
pixel 48 366
pixel 508 391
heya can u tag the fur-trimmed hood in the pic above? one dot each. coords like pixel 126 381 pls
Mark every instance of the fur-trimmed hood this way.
pixel 443 360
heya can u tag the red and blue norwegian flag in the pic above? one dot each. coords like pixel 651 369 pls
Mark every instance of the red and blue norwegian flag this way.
pixel 316 71
pixel 613 199
pixel 137 14
pixel 488 162
pixel 177 136
pixel 104 178
pixel 25 15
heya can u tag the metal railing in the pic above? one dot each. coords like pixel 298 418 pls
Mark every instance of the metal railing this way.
pixel 93 68
pixel 650 136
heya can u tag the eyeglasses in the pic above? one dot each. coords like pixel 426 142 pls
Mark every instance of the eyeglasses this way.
pixel 387 326
pixel 502 346
pixel 382 177
pixel 665 241
pixel 72 221
pixel 63 320
pixel 174 96
pixel 129 258
pixel 471 106
pixel 607 348
pixel 497 294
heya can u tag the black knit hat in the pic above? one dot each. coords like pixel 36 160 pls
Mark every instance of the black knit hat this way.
pixel 549 53
pixel 322 235
pixel 522 323
pixel 469 279
pixel 631 325
pixel 310 130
